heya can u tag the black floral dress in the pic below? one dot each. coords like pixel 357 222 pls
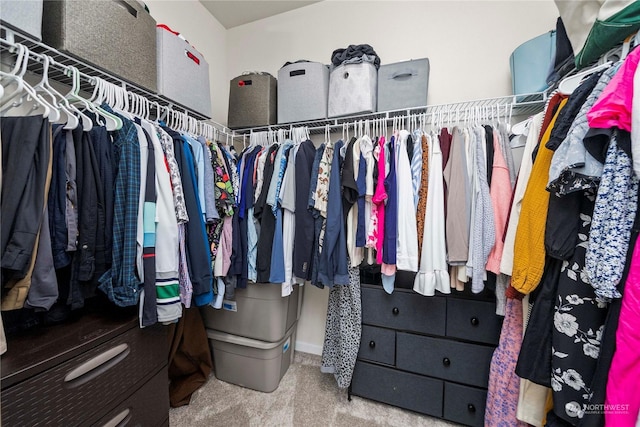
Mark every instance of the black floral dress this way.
pixel 578 323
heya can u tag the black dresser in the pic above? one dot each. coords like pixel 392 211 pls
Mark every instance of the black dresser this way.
pixel 427 354
pixel 98 370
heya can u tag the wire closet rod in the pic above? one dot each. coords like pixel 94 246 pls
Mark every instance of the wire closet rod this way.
pixel 9 44
pixel 506 106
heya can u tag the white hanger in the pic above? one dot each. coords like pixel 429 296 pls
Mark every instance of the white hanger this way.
pixel 39 102
pixel 13 76
pixel 569 84
pixel 60 114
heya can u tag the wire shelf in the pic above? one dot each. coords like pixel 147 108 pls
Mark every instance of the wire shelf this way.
pixel 87 72
pixel 513 105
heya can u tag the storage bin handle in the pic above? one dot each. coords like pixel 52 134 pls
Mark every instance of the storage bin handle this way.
pixel 96 366
pixel 402 75
pixel 120 420
pixel 192 57
pixel 297 73
pixel 126 6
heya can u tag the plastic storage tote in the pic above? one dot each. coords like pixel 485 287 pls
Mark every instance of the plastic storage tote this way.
pixel 23 16
pixel 254 364
pixel 259 312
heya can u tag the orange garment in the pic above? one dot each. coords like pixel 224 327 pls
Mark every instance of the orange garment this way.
pixel 529 251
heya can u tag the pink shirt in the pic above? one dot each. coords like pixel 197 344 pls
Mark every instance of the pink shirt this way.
pixel 379 198
pixel 613 108
pixel 501 199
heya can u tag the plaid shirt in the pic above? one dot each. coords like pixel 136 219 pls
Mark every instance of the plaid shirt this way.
pixel 120 283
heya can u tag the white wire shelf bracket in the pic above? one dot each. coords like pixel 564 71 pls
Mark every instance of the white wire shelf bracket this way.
pixel 512 105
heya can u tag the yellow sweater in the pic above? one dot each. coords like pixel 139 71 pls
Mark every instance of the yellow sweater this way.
pixel 529 252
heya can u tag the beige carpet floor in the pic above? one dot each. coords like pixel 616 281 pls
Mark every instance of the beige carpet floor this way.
pixel 306 398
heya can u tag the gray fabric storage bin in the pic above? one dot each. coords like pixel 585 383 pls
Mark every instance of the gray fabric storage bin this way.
pixel 23 16
pixel 183 73
pixel 303 89
pixel 253 101
pixel 353 89
pixel 251 363
pixel 262 313
pixel 118 36
pixel 403 85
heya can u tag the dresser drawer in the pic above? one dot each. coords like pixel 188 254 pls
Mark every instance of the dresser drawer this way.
pixel 404 311
pixel 420 394
pixel 464 405
pixel 378 345
pixel 473 320
pixel 148 406
pixel 92 381
pixel 442 358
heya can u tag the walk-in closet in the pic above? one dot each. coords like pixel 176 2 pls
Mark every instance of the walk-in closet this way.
pixel 319 213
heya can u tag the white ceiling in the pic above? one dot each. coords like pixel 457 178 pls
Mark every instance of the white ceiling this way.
pixel 239 12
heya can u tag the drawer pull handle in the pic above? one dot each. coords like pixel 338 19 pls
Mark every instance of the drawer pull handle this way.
pixel 395 311
pixel 471 408
pixel 120 420
pixel 96 366
pixel 446 361
pixel 372 344
pixel 475 321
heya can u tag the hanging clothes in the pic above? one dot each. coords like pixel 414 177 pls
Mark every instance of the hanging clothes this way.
pixel 529 241
pixel 456 180
pixel 433 274
pixel 504 384
pixel 506 262
pixel 303 244
pixel 343 330
pixel 407 241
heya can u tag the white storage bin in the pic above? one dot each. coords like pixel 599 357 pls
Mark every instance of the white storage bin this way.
pixel 258 312
pixel 403 85
pixel 183 73
pixel 251 363
pixel 353 89
pixel 23 16
pixel 303 89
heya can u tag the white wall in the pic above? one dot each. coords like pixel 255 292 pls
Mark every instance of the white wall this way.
pixel 207 35
pixel 468 44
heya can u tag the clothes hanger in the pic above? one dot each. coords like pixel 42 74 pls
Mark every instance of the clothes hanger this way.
pixel 13 77
pixel 28 93
pixel 60 114
pixel 100 93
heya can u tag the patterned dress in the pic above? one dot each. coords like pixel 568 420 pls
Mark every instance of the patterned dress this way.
pixel 578 323
pixel 343 330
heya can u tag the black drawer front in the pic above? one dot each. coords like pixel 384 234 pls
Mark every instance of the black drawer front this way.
pixel 404 311
pixel 446 359
pixel 473 320
pixel 397 388
pixel 148 406
pixel 378 345
pixel 464 405
pixel 60 399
